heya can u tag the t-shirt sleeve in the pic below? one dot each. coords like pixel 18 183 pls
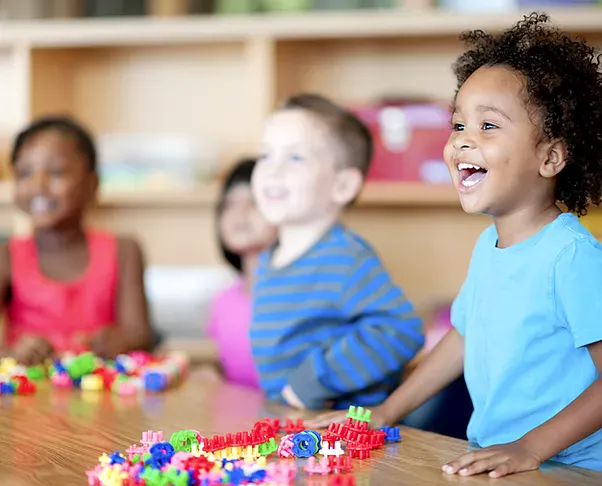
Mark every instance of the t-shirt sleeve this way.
pixel 577 291
pixel 458 310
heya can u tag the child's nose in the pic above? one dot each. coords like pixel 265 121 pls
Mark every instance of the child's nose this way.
pixel 464 141
pixel 39 181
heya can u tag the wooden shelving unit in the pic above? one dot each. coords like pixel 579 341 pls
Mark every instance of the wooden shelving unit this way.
pixel 217 78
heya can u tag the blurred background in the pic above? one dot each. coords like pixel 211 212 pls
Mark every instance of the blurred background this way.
pixel 176 91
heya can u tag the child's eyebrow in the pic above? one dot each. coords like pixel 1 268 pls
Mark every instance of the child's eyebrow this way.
pixel 484 108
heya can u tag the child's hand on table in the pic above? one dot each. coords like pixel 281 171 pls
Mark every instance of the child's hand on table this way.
pixel 108 342
pixel 32 350
pixel 498 460
pixel 291 398
pixel 378 419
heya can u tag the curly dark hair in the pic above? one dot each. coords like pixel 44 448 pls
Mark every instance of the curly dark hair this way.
pixel 563 82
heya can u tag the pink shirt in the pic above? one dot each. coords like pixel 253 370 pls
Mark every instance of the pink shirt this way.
pixel 229 327
pixel 62 312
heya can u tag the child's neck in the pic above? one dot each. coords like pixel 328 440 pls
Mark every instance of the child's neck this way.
pixel 295 239
pixel 59 239
pixel 249 264
pixel 520 225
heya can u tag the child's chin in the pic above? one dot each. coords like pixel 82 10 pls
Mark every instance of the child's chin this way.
pixel 471 207
pixel 45 221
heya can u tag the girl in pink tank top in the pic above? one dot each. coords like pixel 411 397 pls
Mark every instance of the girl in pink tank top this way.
pixel 243 232
pixel 66 288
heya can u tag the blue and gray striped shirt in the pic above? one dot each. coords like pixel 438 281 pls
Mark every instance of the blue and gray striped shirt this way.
pixel 332 325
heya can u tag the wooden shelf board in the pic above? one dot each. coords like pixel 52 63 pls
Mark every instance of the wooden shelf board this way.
pixel 375 194
pixel 203 196
pixel 239 28
pixel 408 194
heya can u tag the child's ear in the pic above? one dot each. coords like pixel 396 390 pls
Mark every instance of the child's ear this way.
pixel 347 186
pixel 554 160
pixel 93 184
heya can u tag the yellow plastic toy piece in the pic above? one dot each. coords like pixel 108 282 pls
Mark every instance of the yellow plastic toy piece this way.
pixel 92 383
pixel 7 364
pixel 104 459
pixel 112 475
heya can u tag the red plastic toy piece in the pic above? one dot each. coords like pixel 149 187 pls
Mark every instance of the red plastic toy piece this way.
pixel 341 481
pixel 341 464
pixel 293 428
pixel 198 464
pixel 24 385
pixel 358 450
pixel 265 430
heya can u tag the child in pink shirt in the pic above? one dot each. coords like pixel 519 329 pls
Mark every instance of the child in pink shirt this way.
pixel 243 233
pixel 66 287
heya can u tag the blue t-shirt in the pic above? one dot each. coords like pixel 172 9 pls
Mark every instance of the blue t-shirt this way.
pixel 527 313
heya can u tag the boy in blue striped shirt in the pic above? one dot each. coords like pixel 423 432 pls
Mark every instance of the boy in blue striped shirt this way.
pixel 329 326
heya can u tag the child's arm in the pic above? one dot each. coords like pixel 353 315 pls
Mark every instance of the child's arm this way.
pixel 29 349
pixel 384 334
pixel 132 331
pixel 577 421
pixel 577 299
pixel 4 286
pixel 442 366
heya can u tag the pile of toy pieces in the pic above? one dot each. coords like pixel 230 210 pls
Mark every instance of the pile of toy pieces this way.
pixel 189 459
pixel 128 374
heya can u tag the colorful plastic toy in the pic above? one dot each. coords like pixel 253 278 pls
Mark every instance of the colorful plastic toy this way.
pixel 306 443
pixel 188 458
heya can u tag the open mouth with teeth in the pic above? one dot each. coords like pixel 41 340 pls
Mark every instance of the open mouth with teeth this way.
pixel 470 174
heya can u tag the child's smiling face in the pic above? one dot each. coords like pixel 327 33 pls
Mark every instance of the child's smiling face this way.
pixel 296 176
pixel 495 153
pixel 53 183
pixel 242 227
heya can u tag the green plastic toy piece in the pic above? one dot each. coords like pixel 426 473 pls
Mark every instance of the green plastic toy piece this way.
pixel 153 477
pixel 182 441
pixel 268 447
pixel 176 478
pixel 36 373
pixel 359 414
pixel 136 458
pixel 81 365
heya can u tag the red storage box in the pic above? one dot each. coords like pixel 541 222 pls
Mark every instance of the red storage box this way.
pixel 408 141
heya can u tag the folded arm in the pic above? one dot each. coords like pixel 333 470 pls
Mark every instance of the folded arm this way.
pixel 384 335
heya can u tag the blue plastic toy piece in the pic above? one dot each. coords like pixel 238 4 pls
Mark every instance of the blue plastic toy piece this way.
pixel 236 476
pixel 117 458
pixel 306 443
pixel 7 389
pixel 392 434
pixel 58 366
pixel 161 453
pixel 258 476
pixel 154 381
pixel 120 367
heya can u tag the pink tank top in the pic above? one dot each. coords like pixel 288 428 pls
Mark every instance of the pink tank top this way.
pixel 62 312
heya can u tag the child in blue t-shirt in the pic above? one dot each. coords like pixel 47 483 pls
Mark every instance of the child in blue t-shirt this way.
pixel 527 135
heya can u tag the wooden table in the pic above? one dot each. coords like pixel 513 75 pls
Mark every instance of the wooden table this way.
pixel 53 437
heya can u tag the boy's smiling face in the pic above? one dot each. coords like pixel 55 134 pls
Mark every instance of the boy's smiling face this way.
pixel 494 153
pixel 298 178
